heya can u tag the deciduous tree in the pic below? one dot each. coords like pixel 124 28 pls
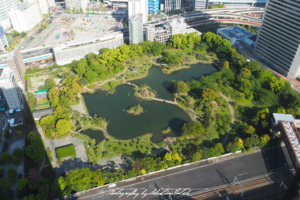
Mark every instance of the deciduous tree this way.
pixel 181 87
pixel 62 126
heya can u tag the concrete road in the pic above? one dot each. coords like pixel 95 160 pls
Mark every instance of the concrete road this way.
pixel 199 176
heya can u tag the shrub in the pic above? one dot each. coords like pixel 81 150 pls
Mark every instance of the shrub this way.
pixel 6 157
pixel 2 172
pixel 11 172
pixel 48 133
pixel 65 152
pixel 161 144
pixel 15 160
pixel 19 133
pixel 249 150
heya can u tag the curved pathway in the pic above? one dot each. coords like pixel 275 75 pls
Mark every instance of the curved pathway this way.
pixel 232 117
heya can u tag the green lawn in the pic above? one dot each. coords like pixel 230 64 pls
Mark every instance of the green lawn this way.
pixel 64 152
pixel 142 71
pixel 106 86
pixel 43 107
pixel 42 101
pixel 115 147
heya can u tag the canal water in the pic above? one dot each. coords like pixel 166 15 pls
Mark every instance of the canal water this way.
pixel 156 116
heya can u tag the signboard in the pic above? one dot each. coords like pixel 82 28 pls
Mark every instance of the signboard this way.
pixel 162 7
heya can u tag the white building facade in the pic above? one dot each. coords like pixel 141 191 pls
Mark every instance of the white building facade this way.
pixel 136 34
pixel 177 26
pixel 77 4
pixel 51 3
pixel 137 7
pixel 78 49
pixel 9 86
pixel 43 5
pixel 25 16
pixel 5 5
pixel 3 40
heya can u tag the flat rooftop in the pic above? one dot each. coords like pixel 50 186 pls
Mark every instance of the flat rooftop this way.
pixel 235 32
pixel 92 39
pixel 292 137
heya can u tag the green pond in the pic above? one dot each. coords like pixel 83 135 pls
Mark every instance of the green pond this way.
pixel 94 134
pixel 156 116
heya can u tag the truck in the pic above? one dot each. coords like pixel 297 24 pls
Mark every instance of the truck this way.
pixel 57 36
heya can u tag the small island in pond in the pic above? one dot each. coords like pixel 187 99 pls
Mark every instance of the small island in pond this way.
pixel 135 110
pixel 166 131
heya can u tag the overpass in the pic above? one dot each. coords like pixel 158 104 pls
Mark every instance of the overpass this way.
pixel 231 21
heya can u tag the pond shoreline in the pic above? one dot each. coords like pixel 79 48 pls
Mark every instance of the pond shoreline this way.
pixel 109 103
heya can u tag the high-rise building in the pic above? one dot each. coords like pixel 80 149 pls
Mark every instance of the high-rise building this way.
pixel 16 63
pixel 43 5
pixel 172 6
pixel 3 40
pixel 199 4
pixel 10 89
pixel 136 28
pixel 153 6
pixel 138 6
pixel 278 41
pixel 25 16
pixel 5 5
pixel 77 4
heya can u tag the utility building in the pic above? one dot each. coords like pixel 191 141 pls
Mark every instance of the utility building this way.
pixel 278 41
pixel 136 29
pixel 25 16
pixel 234 34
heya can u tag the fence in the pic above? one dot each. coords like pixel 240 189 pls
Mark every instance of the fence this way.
pixel 183 165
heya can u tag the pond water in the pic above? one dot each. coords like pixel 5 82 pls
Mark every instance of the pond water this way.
pixel 158 81
pixel 156 116
pixel 94 134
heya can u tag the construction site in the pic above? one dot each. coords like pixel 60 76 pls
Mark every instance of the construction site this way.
pixel 72 27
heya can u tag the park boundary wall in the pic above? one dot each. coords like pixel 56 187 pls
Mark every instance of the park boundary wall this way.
pixel 111 185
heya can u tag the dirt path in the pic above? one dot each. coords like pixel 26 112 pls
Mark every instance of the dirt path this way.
pixel 232 117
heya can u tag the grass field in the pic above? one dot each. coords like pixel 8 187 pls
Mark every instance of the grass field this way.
pixel 64 152
pixel 115 147
pixel 42 101
pixel 43 107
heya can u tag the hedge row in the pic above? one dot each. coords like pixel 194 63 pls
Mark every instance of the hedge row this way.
pixel 66 152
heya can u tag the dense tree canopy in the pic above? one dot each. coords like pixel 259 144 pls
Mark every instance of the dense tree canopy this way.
pixel 62 126
pixel 194 128
pixel 35 150
pixel 181 87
